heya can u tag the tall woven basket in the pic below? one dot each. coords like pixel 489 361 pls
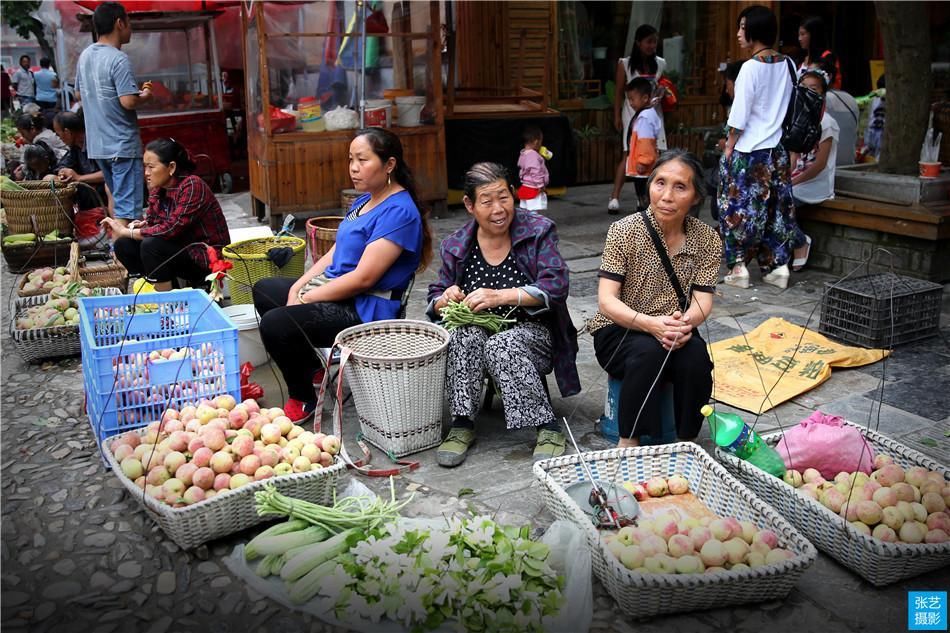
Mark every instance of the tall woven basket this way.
pixel 321 235
pixel 49 202
pixel 251 263
pixel 397 375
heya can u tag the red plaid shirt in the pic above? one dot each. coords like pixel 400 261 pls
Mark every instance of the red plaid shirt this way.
pixel 187 213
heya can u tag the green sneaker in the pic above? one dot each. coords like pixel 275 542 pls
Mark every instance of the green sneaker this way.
pixel 453 449
pixel 550 444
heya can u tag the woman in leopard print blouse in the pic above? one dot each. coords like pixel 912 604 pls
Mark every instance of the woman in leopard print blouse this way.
pixel 644 326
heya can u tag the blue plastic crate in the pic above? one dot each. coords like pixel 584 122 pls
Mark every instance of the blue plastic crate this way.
pixel 125 388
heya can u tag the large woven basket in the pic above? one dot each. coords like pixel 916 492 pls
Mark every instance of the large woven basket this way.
pixel 51 203
pixel 321 235
pixel 877 562
pixel 26 257
pixel 230 512
pixel 249 258
pixel 397 375
pixel 49 342
pixel 642 595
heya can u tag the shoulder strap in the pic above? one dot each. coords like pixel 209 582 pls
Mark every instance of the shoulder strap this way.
pixel 791 71
pixel 665 260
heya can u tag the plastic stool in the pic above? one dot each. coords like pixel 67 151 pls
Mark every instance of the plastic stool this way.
pixel 610 426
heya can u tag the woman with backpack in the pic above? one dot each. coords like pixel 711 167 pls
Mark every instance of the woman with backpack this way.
pixel 756 211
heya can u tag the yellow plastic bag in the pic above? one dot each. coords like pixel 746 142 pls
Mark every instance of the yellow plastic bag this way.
pixel 770 360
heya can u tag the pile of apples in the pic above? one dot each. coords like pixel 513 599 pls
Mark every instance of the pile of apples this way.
pixel 656 487
pixel 53 313
pixel 665 545
pixel 217 446
pixel 892 505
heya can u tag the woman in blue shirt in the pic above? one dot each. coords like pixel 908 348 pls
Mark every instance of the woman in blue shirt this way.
pixel 383 241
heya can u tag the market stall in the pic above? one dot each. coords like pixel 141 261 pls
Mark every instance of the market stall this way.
pixel 189 103
pixel 376 60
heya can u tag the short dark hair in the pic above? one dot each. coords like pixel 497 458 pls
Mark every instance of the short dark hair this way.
pixel 26 57
pixel 760 24
pixel 640 85
pixel 39 151
pixel 71 121
pixel 532 133
pixel 28 121
pixel 689 159
pixel 103 20
pixel 44 62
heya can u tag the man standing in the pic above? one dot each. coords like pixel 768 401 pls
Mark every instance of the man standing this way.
pixel 24 82
pixel 109 94
pixel 46 83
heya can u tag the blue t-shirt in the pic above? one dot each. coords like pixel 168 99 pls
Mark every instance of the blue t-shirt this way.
pixel 396 219
pixel 104 73
pixel 44 85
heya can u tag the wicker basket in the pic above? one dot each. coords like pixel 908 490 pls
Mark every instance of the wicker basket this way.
pixel 112 275
pixel 397 375
pixel 48 342
pixel 29 293
pixel 877 562
pixel 30 256
pixel 321 235
pixel 231 512
pixel 643 595
pixel 249 258
pixel 49 202
pixel 347 198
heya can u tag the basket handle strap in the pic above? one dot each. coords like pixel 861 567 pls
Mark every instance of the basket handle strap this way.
pixel 361 465
pixel 73 264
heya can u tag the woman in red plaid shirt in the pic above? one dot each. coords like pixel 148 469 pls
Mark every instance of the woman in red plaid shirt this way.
pixel 182 217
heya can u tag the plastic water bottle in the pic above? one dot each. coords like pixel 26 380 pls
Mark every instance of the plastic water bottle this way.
pixel 735 436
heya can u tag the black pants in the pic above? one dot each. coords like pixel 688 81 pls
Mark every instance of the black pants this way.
pixel 150 258
pixel 290 333
pixel 637 363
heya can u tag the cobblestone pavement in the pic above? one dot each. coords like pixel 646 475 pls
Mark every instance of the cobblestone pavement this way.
pixel 78 554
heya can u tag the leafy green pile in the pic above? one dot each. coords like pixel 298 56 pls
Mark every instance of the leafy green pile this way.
pixel 489 577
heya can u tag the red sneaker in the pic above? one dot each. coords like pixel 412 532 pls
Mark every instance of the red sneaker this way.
pixel 299 411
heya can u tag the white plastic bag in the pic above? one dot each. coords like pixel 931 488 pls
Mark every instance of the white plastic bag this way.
pixel 341 118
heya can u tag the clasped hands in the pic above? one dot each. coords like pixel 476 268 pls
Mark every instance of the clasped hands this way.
pixel 672 332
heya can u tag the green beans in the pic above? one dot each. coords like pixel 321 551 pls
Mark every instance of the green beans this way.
pixel 456 315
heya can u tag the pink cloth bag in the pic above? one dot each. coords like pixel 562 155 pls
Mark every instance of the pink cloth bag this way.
pixel 824 443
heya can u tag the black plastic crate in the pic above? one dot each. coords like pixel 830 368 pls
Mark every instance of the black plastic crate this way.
pixel 859 311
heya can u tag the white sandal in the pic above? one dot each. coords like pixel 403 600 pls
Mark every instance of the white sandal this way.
pixel 739 277
pixel 799 262
pixel 778 277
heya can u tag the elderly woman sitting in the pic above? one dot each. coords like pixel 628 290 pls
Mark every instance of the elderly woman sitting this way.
pixel 505 262
pixel 656 282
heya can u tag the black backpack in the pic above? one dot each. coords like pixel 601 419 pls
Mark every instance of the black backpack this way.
pixel 801 129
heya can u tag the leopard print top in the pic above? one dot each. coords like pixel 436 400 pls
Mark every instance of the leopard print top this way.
pixel 631 258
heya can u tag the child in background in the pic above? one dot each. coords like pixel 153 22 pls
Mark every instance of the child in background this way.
pixel 643 131
pixel 532 172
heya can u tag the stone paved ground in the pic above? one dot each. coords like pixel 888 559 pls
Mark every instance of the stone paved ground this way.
pixel 79 555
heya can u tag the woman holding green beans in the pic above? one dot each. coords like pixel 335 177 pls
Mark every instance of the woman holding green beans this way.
pixel 502 290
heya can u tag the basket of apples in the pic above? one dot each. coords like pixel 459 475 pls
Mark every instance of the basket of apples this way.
pixel 886 526
pixel 701 539
pixel 196 470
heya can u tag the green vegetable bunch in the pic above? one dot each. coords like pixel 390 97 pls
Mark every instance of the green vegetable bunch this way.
pixel 455 315
pixel 488 577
